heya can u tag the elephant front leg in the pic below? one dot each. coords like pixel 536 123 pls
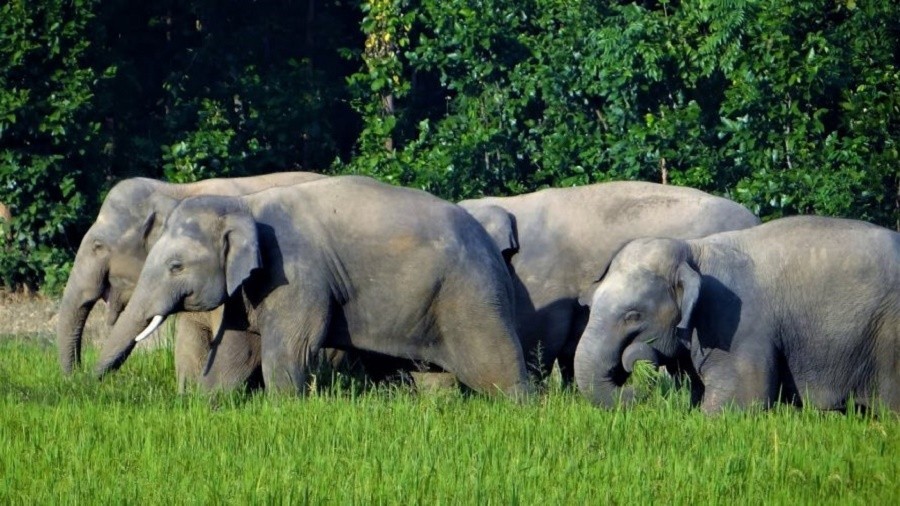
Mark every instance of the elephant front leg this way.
pixel 191 349
pixel 737 379
pixel 232 360
pixel 288 346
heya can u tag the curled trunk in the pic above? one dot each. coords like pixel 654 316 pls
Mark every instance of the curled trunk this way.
pixel 598 369
pixel 638 351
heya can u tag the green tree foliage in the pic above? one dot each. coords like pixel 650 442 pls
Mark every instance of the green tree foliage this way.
pixel 786 106
pixel 92 92
pixel 47 133
pixel 789 107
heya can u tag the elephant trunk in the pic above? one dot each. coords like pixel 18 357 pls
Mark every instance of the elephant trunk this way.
pixel 598 368
pixel 638 350
pixel 84 288
pixel 130 329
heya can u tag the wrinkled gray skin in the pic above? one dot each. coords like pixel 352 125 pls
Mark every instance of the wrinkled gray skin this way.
pixel 805 308
pixel 558 242
pixel 344 262
pixel 109 262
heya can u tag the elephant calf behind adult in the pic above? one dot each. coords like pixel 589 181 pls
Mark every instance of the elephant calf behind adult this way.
pixel 558 241
pixel 112 253
pixel 345 262
pixel 805 308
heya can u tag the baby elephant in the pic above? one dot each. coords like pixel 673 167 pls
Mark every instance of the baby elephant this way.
pixel 346 262
pixel 806 309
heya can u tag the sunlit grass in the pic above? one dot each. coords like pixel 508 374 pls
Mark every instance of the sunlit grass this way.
pixel 130 438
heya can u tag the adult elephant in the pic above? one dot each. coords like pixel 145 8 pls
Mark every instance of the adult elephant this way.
pixel 805 308
pixel 346 262
pixel 557 241
pixel 112 254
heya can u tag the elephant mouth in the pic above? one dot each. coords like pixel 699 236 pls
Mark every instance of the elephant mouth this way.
pixel 115 304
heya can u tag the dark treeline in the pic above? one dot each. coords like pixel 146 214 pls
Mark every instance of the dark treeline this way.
pixel 785 106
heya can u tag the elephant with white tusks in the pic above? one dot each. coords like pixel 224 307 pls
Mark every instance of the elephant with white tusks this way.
pixel 802 309
pixel 557 241
pixel 344 262
pixel 110 259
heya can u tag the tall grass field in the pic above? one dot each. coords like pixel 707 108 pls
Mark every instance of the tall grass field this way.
pixel 132 439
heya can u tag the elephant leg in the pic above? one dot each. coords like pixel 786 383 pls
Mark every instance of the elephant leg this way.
pixel 543 335
pixel 741 380
pixel 481 349
pixel 191 349
pixel 232 361
pixel 289 345
pixel 887 364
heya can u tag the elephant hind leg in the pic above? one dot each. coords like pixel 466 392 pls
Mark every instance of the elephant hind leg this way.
pixel 480 346
pixel 888 364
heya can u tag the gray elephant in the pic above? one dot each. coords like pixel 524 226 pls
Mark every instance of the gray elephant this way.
pixel 803 308
pixel 557 240
pixel 109 262
pixel 345 262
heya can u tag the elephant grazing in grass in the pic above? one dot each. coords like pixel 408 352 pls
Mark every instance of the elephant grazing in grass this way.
pixel 345 262
pixel 558 240
pixel 112 254
pixel 805 309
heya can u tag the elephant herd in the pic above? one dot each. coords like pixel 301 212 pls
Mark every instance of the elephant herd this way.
pixel 266 272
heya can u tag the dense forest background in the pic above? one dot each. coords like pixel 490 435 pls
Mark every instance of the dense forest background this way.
pixel 787 106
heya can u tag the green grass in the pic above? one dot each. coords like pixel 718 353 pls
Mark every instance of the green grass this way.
pixel 132 439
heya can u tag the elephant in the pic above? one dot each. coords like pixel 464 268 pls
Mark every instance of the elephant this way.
pixel 110 258
pixel 557 240
pixel 345 262
pixel 804 309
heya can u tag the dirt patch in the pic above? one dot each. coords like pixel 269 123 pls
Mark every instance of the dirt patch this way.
pixel 30 316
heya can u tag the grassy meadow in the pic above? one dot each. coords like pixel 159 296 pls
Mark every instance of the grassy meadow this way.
pixel 131 439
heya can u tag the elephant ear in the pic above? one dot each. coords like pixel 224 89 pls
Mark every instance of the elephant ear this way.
pixel 687 289
pixel 160 207
pixel 241 250
pixel 586 296
pixel 151 223
pixel 500 225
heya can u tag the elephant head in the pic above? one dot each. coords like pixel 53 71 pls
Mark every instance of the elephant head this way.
pixel 112 252
pixel 499 223
pixel 109 260
pixel 207 250
pixel 641 310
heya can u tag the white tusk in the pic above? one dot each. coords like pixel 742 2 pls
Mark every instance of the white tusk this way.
pixel 154 323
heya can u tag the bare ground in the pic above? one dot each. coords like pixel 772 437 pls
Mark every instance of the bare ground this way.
pixel 30 316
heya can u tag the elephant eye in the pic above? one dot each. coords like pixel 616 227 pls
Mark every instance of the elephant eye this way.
pixel 632 317
pixel 175 266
